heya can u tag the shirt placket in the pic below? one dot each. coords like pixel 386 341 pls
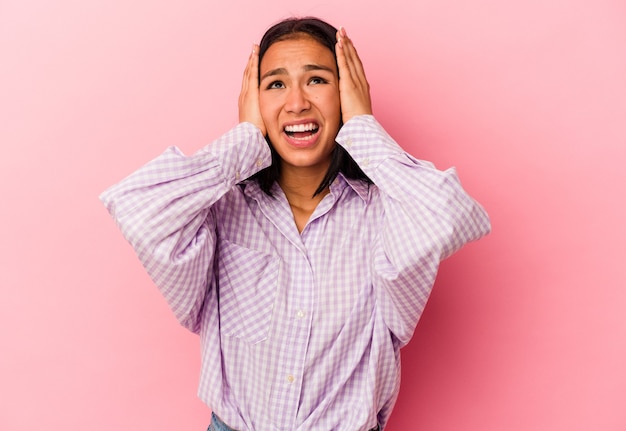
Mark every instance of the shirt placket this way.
pixel 294 335
pixel 288 383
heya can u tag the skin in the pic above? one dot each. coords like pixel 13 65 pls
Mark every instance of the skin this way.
pixel 300 86
pixel 304 88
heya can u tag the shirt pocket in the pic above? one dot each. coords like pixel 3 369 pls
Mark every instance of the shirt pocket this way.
pixel 247 288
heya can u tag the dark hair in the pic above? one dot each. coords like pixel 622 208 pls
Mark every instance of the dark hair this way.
pixel 325 34
pixel 292 28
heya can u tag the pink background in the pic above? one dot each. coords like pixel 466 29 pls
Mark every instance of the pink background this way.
pixel 525 330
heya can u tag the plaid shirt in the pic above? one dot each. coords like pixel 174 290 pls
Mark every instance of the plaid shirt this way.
pixel 299 331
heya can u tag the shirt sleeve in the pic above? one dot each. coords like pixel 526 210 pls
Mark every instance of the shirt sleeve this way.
pixel 426 217
pixel 164 211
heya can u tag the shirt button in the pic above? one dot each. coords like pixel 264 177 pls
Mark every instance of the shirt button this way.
pixel 365 162
pixel 348 143
pixel 237 175
pixel 290 378
pixel 259 163
pixel 300 314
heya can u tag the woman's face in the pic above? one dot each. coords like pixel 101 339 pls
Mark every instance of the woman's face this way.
pixel 299 101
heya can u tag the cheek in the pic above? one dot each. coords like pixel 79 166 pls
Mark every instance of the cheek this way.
pixel 262 105
pixel 333 102
pixel 334 110
pixel 268 108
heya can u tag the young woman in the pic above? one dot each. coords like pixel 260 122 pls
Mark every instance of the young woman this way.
pixel 302 245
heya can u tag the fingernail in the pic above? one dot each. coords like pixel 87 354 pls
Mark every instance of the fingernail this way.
pixel 342 31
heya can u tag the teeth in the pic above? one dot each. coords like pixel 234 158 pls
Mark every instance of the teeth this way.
pixel 301 127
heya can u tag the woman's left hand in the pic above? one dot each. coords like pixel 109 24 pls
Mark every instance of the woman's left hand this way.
pixel 354 90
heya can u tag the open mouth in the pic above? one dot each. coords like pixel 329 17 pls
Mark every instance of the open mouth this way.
pixel 302 131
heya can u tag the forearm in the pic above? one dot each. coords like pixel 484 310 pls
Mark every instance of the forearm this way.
pixel 164 211
pixel 415 187
pixel 425 217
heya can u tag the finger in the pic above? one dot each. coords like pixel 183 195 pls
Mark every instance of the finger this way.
pixel 244 82
pixel 254 66
pixel 352 58
pixel 353 69
pixel 244 95
pixel 343 60
pixel 353 87
pixel 249 97
pixel 251 69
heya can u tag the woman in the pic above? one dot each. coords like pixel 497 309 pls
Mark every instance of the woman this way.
pixel 302 245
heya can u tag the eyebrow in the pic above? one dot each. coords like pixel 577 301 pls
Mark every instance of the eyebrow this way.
pixel 307 68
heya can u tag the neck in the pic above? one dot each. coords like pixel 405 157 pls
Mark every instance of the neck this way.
pixel 301 186
pixel 299 190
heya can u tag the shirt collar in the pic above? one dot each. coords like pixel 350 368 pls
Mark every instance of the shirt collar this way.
pixel 360 187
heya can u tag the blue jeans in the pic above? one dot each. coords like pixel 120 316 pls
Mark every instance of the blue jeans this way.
pixel 218 425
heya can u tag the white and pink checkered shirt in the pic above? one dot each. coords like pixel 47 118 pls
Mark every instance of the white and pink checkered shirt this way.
pixel 298 331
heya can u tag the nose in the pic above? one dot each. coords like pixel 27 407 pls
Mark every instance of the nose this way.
pixel 297 100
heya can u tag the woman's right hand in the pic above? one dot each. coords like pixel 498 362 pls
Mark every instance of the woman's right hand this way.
pixel 249 110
